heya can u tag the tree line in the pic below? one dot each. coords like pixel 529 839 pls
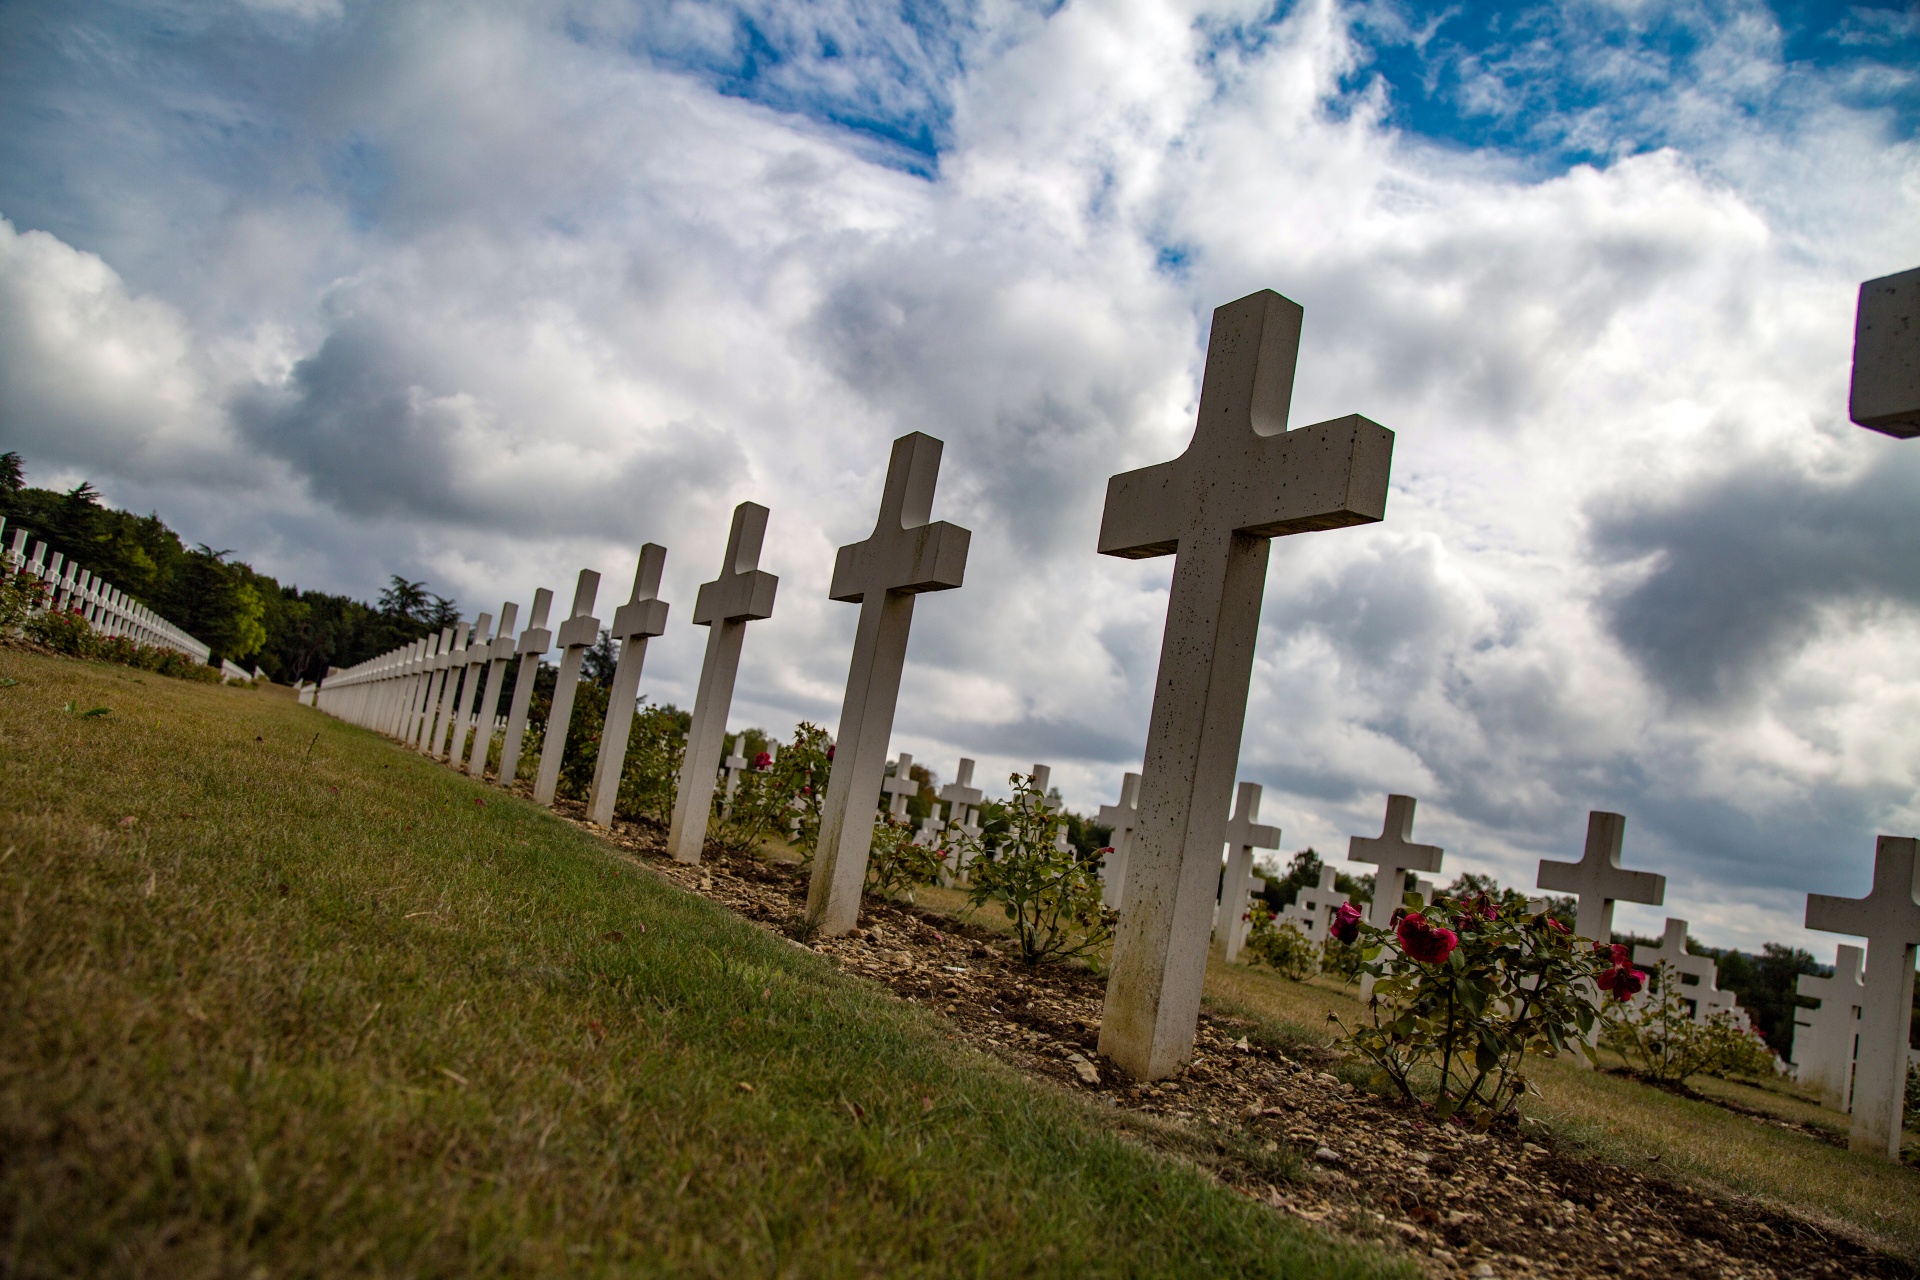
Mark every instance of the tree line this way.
pixel 240 614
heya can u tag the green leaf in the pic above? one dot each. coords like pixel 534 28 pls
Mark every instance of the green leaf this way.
pixel 95 713
pixel 8 684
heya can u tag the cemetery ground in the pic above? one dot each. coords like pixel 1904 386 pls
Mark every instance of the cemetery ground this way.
pixel 282 998
pixel 1609 1177
pixel 281 994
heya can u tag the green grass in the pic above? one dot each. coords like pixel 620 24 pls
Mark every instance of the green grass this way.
pixel 1652 1131
pixel 315 1010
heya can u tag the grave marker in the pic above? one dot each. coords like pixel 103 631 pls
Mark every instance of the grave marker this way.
pixel 733 764
pixel 1121 818
pixel 1824 1038
pixel 899 786
pixel 905 556
pixel 1703 992
pixel 742 593
pixel 499 653
pixel 1243 480
pixel 1598 881
pixel 1244 835
pixel 479 654
pixel 427 700
pixel 1311 910
pixel 643 615
pixel 963 800
pixel 451 662
pixel 577 634
pixel 1395 855
pixel 1889 919
pixel 534 642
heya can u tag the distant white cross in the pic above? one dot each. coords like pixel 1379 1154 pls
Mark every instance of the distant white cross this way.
pixel 1395 855
pixel 579 633
pixel 963 801
pixel 1122 818
pixel 1824 1038
pixel 1699 976
pixel 642 617
pixel 499 654
pixel 1312 909
pixel 742 593
pixel 533 642
pixel 1889 919
pixel 904 556
pixel 1598 880
pixel 1243 480
pixel 1244 835
pixel 900 786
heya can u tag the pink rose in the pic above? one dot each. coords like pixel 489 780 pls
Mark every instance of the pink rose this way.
pixel 1346 922
pixel 1425 942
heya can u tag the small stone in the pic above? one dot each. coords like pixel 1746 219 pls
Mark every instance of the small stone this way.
pixel 1327 1155
pixel 1482 1269
pixel 1532 1150
pixel 1088 1073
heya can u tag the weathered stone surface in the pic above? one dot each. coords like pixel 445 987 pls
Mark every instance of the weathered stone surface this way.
pixel 1886 355
pixel 906 555
pixel 1598 880
pixel 1243 480
pixel 1823 1037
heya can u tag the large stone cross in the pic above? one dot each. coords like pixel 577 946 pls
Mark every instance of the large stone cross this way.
pixel 533 643
pixel 1120 819
pixel 1394 852
pixel 1823 1038
pixel 1243 480
pixel 1244 835
pixel 499 653
pixel 579 633
pixel 1889 919
pixel 643 615
pixel 742 593
pixel 1598 880
pixel 906 555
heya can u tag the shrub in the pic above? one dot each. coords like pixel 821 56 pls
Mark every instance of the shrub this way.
pixel 780 797
pixel 1661 1041
pixel 895 864
pixel 1281 947
pixel 20 594
pixel 66 632
pixel 650 775
pixel 1051 895
pixel 1341 959
pixel 1463 990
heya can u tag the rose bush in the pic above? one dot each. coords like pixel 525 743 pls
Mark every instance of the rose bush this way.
pixel 1051 895
pixel 1280 946
pixel 1662 1040
pixel 1463 990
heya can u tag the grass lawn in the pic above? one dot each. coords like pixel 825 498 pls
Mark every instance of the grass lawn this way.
pixel 1651 1131
pixel 280 997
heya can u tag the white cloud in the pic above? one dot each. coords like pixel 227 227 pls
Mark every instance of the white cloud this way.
pixel 503 297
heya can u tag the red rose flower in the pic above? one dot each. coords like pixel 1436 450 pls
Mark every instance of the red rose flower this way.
pixel 1427 943
pixel 1556 926
pixel 763 761
pixel 1622 981
pixel 1346 922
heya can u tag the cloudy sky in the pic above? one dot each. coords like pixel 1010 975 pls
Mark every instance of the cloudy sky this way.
pixel 485 292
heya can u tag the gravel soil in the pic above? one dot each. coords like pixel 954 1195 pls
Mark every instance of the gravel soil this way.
pixel 1273 1122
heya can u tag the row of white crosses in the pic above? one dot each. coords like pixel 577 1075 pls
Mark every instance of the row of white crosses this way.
pixel 425 693
pixel 108 610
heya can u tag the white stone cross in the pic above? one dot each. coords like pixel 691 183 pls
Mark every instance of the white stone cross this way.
pixel 1243 480
pixel 1889 919
pixel 1699 976
pixel 1311 910
pixel 533 642
pixel 579 633
pixel 900 786
pixel 1824 1038
pixel 1395 855
pixel 734 764
pixel 1120 819
pixel 453 738
pixel 1886 355
pixel 963 800
pixel 905 556
pixel 643 615
pixel 1598 880
pixel 499 653
pixel 1244 835
pixel 451 638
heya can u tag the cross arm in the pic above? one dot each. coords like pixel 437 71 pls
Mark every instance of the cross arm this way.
pixel 928 557
pixel 746 595
pixel 580 632
pixel 1140 519
pixel 639 618
pixel 1327 476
